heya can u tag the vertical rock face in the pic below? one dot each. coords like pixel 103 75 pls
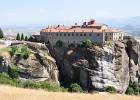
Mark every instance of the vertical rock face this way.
pixel 133 50
pixel 96 68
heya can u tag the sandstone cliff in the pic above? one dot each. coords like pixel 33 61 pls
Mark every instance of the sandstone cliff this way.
pixel 39 66
pixel 95 68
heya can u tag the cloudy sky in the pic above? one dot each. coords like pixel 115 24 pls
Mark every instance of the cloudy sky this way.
pixel 22 12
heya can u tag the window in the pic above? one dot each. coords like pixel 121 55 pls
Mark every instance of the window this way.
pixel 84 34
pixel 64 34
pixel 77 34
pixel 81 34
pixel 98 34
pixel 72 34
pixel 68 34
pixel 90 34
pixel 60 34
pixel 57 34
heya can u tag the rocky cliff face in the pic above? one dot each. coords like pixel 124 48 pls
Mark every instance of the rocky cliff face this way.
pixel 133 50
pixel 39 66
pixel 95 68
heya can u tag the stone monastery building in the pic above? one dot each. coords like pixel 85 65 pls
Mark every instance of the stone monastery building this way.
pixel 99 33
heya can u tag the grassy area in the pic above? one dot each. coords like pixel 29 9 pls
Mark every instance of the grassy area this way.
pixel 5 79
pixel 13 93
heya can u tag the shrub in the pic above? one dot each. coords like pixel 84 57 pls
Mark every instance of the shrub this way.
pixel 59 43
pixel 86 43
pixel 130 91
pixel 12 50
pixel 111 89
pixel 13 72
pixel 75 88
pixel 133 89
pixel 23 52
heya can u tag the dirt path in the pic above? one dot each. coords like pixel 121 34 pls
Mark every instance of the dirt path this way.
pixel 12 93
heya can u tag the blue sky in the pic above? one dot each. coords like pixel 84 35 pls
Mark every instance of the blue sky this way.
pixel 22 12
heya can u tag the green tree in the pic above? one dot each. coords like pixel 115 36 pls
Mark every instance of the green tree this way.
pixel 22 36
pixel 18 37
pixel 87 43
pixel 26 38
pixel 31 39
pixel 1 33
pixel 59 43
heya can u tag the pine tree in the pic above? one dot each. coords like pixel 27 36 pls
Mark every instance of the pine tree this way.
pixel 31 39
pixel 1 33
pixel 18 37
pixel 26 38
pixel 22 36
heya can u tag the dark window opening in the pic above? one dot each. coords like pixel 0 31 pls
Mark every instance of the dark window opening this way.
pixel 89 34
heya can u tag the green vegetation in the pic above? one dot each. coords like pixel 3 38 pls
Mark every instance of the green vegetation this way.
pixel 133 89
pixel 75 88
pixel 111 89
pixel 59 43
pixel 87 43
pixel 22 36
pixel 13 72
pixel 31 39
pixel 12 50
pixel 26 38
pixel 5 79
pixel 1 33
pixel 18 37
pixel 22 52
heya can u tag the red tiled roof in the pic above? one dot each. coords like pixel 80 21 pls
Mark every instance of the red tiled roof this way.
pixel 92 27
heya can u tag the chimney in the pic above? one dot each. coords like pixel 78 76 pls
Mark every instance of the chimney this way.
pixel 92 21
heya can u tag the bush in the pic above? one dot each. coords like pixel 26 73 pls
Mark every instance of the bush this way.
pixel 133 89
pixel 111 89
pixel 59 43
pixel 23 52
pixel 86 43
pixel 130 91
pixel 12 50
pixel 75 88
pixel 13 72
